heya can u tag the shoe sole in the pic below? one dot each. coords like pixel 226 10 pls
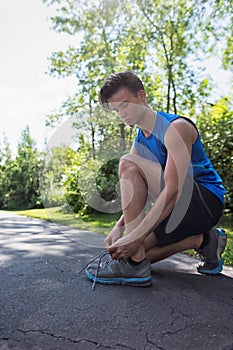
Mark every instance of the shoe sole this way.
pixel 222 241
pixel 135 282
pixel 214 271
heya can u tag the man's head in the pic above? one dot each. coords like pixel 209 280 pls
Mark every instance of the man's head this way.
pixel 115 82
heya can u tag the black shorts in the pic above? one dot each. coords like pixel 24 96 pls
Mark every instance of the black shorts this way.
pixel 196 212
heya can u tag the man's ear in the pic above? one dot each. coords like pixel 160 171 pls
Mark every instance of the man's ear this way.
pixel 142 95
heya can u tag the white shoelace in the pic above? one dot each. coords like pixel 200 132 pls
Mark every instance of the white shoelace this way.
pixel 100 257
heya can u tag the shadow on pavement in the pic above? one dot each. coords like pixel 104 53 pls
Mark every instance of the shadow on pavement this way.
pixel 45 304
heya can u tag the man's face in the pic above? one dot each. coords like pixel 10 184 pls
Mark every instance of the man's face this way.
pixel 129 107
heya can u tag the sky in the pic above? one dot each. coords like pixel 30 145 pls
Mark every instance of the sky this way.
pixel 27 93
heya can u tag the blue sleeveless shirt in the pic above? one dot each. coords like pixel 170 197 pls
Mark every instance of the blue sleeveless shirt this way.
pixel 153 148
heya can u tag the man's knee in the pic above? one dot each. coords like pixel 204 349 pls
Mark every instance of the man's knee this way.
pixel 127 166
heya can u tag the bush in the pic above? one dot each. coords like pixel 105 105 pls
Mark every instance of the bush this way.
pixel 71 186
pixel 90 185
pixel 216 129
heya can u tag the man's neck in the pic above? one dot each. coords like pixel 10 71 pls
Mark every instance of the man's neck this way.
pixel 148 122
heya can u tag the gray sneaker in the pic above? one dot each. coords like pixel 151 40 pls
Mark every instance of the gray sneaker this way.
pixel 119 272
pixel 212 252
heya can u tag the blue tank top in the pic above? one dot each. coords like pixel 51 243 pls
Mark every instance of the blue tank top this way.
pixel 153 148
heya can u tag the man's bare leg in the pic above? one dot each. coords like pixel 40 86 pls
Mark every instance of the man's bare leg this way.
pixel 155 253
pixel 139 176
pixel 136 177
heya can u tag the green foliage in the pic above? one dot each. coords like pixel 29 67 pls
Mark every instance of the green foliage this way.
pixel 5 169
pixel 74 200
pixel 227 223
pixel 91 184
pixel 218 30
pixel 81 190
pixel 76 181
pixel 55 164
pixel 171 43
pixel 94 222
pixel 19 184
pixel 228 54
pixel 216 128
pixel 107 180
pixel 169 37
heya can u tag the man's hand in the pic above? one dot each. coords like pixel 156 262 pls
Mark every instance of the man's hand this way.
pixel 114 236
pixel 124 247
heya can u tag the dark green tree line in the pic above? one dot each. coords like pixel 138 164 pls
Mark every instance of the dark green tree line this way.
pixel 216 128
pixel 19 175
pixel 159 41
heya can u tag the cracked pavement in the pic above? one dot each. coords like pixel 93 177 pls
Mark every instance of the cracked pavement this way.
pixel 46 305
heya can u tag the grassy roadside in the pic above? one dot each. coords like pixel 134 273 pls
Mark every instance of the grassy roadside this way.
pixel 226 222
pixel 103 223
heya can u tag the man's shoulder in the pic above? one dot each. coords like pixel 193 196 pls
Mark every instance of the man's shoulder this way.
pixel 181 127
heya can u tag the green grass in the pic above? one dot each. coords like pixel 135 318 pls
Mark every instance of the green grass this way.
pixel 103 223
pixel 227 223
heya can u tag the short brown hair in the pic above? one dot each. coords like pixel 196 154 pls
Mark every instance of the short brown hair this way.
pixel 116 81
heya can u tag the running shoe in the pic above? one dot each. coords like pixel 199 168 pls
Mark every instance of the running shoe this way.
pixel 212 252
pixel 109 271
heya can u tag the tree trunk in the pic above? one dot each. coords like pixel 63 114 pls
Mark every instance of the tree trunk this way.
pixel 169 87
pixel 92 141
pixel 122 136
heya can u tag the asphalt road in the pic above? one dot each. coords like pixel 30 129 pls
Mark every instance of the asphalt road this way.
pixel 46 305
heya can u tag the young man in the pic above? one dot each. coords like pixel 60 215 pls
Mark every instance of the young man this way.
pixel 168 163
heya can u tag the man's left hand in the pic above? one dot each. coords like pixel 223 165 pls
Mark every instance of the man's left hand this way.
pixel 124 247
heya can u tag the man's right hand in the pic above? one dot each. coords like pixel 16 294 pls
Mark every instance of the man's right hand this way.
pixel 114 235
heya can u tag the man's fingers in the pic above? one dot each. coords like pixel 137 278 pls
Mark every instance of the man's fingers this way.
pixel 114 256
pixel 116 253
pixel 108 245
pixel 113 251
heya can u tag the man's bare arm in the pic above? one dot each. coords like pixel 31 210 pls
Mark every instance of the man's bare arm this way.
pixel 178 140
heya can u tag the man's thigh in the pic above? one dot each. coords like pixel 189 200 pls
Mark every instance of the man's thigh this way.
pixel 149 170
pixel 203 212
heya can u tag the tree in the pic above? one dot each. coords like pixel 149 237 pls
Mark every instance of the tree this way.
pixel 217 31
pixel 169 37
pixel 216 127
pixel 54 165
pixel 104 49
pixel 167 40
pixel 20 176
pixel 5 172
pixel 173 27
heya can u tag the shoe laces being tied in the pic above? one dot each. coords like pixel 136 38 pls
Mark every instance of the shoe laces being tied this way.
pixel 100 263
